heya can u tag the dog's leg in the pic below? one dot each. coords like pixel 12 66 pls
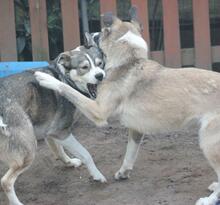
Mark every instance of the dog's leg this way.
pixel 75 148
pixel 96 111
pixel 134 140
pixel 210 145
pixel 53 147
pixel 8 180
pixel 60 154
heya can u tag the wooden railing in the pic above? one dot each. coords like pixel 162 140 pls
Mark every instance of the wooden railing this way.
pixel 202 55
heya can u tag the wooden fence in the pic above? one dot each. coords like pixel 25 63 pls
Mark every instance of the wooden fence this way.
pixel 202 55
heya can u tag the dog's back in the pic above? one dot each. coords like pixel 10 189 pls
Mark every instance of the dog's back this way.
pixel 39 104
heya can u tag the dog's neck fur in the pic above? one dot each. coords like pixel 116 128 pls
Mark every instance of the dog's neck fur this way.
pixel 124 56
pixel 129 48
pixel 128 58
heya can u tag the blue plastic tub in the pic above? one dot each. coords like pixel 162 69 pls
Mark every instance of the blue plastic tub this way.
pixel 9 68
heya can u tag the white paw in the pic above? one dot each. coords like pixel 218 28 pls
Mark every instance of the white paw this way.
pixel 74 163
pixel 99 178
pixel 207 201
pixel 213 186
pixel 119 175
pixel 47 81
pixel 16 202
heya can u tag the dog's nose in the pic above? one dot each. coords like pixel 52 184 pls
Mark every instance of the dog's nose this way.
pixel 99 76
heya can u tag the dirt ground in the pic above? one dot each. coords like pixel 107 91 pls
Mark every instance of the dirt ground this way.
pixel 170 170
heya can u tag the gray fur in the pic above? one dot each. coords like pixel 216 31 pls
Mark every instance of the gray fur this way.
pixel 29 112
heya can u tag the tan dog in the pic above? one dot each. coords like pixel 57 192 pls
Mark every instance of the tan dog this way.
pixel 149 98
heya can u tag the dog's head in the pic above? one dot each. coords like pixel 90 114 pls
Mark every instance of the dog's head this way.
pixel 83 65
pixel 119 39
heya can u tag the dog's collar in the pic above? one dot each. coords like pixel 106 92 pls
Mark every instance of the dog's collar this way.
pixel 60 76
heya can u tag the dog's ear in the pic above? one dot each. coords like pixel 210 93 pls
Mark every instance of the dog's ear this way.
pixel 133 12
pixel 108 19
pixel 88 40
pixel 95 37
pixel 64 59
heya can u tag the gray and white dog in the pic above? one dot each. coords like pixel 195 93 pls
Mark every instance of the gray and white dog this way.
pixel 29 111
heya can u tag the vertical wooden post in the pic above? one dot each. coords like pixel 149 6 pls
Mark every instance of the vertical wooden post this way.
pixel 171 33
pixel 70 19
pixel 142 7
pixel 108 5
pixel 8 48
pixel 39 31
pixel 202 34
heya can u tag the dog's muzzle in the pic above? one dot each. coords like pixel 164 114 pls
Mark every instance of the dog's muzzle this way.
pixel 99 76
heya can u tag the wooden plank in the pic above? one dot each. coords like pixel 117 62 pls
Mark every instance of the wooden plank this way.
pixel 202 34
pixel 188 54
pixel 188 58
pixel 142 7
pixel 8 48
pixel 158 56
pixel 216 54
pixel 108 6
pixel 171 33
pixel 39 32
pixel 70 19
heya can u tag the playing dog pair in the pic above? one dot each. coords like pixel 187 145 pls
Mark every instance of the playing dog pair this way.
pixel 147 97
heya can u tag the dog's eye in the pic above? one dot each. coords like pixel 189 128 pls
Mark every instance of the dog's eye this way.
pixel 85 67
pixel 99 63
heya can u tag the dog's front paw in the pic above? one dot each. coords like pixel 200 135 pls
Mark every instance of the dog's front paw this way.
pixel 213 186
pixel 207 201
pixel 119 175
pixel 48 81
pixel 17 202
pixel 99 178
pixel 74 163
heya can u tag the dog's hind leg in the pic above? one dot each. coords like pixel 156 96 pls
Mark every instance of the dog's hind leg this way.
pixel 8 180
pixel 17 148
pixel 134 140
pixel 75 148
pixel 210 145
pixel 60 154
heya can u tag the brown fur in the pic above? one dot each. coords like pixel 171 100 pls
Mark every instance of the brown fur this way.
pixel 149 98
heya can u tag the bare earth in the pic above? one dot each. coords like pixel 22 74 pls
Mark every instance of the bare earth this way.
pixel 170 170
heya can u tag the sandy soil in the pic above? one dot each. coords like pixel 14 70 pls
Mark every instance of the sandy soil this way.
pixel 170 170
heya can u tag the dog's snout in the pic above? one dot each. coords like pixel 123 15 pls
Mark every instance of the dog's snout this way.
pixel 99 76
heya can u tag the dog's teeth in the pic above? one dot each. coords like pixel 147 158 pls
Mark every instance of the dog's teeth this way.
pixel 93 94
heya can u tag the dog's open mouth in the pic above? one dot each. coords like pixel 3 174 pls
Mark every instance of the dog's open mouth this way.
pixel 92 88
